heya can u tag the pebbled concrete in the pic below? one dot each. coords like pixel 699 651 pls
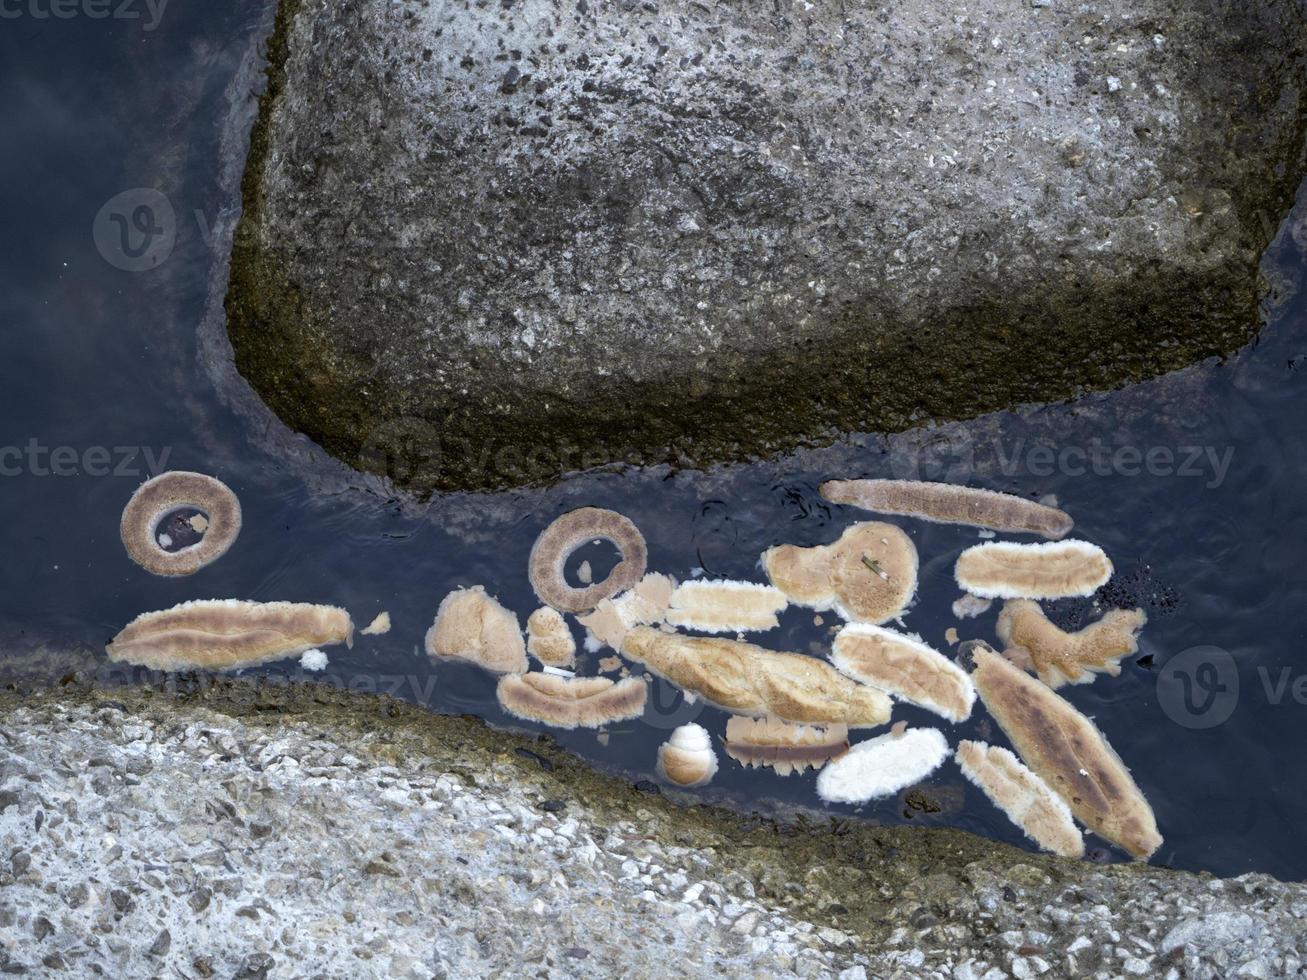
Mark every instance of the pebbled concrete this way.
pixel 231 828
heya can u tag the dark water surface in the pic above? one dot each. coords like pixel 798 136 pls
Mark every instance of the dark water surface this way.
pixel 1192 483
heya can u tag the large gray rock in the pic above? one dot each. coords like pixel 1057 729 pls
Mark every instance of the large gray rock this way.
pixel 601 230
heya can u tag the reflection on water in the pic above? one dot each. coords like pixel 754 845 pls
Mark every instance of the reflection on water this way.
pixel 1192 483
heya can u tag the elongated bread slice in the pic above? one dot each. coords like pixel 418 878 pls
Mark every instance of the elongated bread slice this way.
pixel 571 702
pixel 784 746
pixel 882 766
pixel 1068 752
pixel 1051 570
pixel 905 667
pixel 1027 800
pixel 725 606
pixel 748 680
pixel 947 503
pixel 227 634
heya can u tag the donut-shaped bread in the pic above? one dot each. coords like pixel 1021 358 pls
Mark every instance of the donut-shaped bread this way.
pixel 157 498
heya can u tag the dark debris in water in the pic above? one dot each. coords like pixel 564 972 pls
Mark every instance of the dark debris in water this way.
pixel 916 801
pixel 1138 588
pixel 183 528
pixel 646 786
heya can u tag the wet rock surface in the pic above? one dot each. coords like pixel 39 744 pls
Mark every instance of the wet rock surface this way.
pixel 246 831
pixel 685 231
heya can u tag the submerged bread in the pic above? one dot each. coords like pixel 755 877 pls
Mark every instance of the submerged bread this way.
pixel 1027 800
pixel 1051 570
pixel 472 626
pixel 571 702
pixel 1058 657
pixel 869 575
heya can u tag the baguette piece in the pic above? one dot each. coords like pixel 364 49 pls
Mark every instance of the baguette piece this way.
pixel 1068 752
pixel 748 680
pixel 947 503
pixel 785 747
pixel 905 667
pixel 1027 800
pixel 571 702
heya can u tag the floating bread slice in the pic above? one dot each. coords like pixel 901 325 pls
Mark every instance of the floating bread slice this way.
pixel 745 679
pixel 687 758
pixel 945 503
pixel 1061 658
pixel 472 626
pixel 869 575
pixel 785 747
pixel 549 639
pixel 1068 752
pixel 882 766
pixel 1049 570
pixel 219 521
pixel 379 625
pixel 906 668
pixel 227 634
pixel 1024 797
pixel 968 606
pixel 725 606
pixel 645 604
pixel 571 702
pixel 556 543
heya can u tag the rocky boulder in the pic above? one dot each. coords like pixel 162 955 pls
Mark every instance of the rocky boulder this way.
pixel 566 233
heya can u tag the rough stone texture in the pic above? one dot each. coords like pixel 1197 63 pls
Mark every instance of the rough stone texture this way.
pixel 614 229
pixel 250 831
